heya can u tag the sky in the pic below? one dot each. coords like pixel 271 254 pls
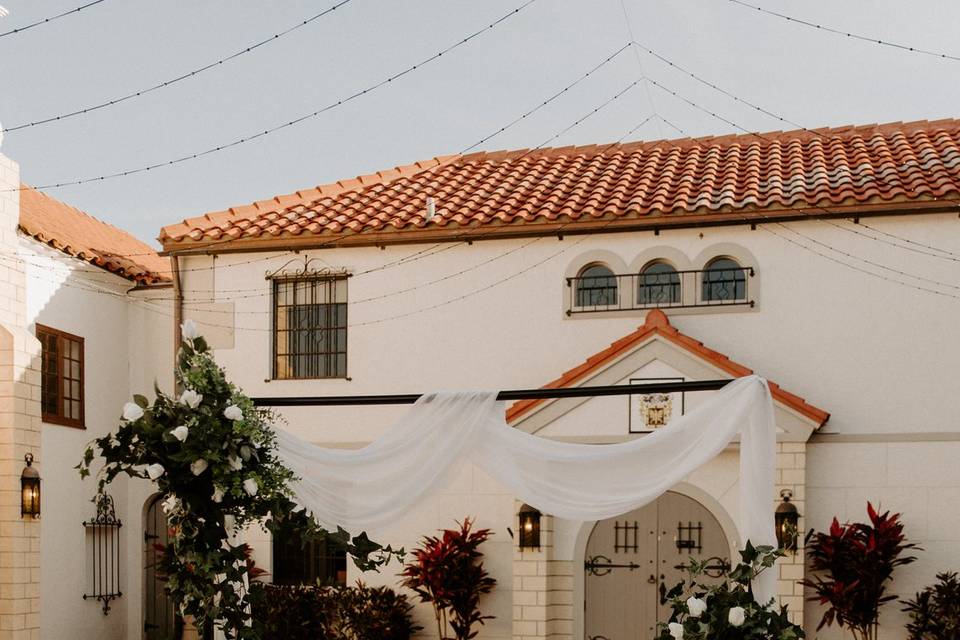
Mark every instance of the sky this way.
pixel 116 47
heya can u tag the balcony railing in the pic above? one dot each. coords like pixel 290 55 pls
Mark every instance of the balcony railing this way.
pixel 672 290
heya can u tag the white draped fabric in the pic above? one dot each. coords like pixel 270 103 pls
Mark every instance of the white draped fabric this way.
pixel 369 488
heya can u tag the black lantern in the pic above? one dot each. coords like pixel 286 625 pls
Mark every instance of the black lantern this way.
pixel 29 489
pixel 786 519
pixel 529 527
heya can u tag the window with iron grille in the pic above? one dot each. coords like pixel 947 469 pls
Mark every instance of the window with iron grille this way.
pixel 295 563
pixel 310 327
pixel 61 380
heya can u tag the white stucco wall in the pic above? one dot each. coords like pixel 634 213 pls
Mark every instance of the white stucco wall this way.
pixel 123 348
pixel 878 355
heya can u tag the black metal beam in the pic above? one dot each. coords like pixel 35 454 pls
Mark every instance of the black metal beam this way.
pixel 515 394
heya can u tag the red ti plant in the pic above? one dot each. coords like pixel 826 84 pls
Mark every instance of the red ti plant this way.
pixel 448 573
pixel 855 562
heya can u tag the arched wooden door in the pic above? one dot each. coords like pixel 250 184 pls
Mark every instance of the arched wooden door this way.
pixel 633 560
pixel 158 614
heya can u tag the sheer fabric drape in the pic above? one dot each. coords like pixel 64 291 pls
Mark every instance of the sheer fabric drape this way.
pixel 371 487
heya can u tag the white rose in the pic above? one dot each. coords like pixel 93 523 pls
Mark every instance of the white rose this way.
pixel 189 331
pixel 235 463
pixel 180 433
pixel 155 470
pixel 696 607
pixel 250 486
pixel 171 504
pixel 737 616
pixel 233 412
pixel 676 630
pixel 191 398
pixel 198 466
pixel 132 412
pixel 218 493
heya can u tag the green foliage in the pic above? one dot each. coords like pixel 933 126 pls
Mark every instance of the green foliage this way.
pixel 331 613
pixel 212 455
pixel 448 573
pixel 705 610
pixel 935 611
pixel 855 562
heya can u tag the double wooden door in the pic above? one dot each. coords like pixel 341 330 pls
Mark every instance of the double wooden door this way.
pixel 632 561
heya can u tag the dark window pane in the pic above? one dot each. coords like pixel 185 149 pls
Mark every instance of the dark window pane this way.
pixel 310 328
pixel 596 287
pixel 659 284
pixel 61 379
pixel 724 280
pixel 297 563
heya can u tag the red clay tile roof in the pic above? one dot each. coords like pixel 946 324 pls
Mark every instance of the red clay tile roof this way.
pixel 657 324
pixel 632 185
pixel 82 236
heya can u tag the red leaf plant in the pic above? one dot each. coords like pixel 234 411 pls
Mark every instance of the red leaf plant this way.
pixel 448 573
pixel 855 562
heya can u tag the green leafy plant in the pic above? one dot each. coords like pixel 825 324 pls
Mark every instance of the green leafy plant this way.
pixel 447 572
pixel 211 453
pixel 331 613
pixel 855 562
pixel 935 611
pixel 727 610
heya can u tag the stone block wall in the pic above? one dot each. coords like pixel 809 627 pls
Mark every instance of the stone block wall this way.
pixel 791 474
pixel 19 427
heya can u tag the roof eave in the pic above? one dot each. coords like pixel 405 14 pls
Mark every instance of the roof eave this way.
pixel 495 231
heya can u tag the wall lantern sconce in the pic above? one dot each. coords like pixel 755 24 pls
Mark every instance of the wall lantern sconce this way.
pixel 29 490
pixel 786 519
pixel 529 527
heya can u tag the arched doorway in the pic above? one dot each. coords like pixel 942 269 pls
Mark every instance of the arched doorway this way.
pixel 158 613
pixel 631 561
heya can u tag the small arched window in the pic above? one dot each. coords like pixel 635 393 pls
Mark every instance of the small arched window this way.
pixel 724 280
pixel 659 285
pixel 596 287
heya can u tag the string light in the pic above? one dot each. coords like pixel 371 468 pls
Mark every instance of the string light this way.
pixel 451 301
pixel 260 134
pixel 781 118
pixel 179 78
pixel 824 210
pixel 447 246
pixel 48 20
pixel 848 34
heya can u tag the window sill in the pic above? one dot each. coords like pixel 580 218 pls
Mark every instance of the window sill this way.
pixel 748 306
pixel 63 422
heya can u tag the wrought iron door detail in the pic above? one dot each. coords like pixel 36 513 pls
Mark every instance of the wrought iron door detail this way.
pixel 602 565
pixel 689 537
pixel 625 537
pixel 715 567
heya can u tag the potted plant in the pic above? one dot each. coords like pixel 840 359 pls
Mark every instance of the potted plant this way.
pixel 448 573
pixel 727 610
pixel 852 564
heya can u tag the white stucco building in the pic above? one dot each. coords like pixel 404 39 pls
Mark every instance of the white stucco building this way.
pixel 824 261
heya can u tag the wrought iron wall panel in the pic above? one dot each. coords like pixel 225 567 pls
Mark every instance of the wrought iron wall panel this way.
pixel 103 539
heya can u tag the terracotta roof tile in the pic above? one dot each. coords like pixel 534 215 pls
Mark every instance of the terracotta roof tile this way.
pixel 652 183
pixel 657 324
pixel 82 236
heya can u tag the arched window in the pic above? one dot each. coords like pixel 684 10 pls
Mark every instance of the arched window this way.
pixel 296 563
pixel 724 280
pixel 658 285
pixel 596 287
